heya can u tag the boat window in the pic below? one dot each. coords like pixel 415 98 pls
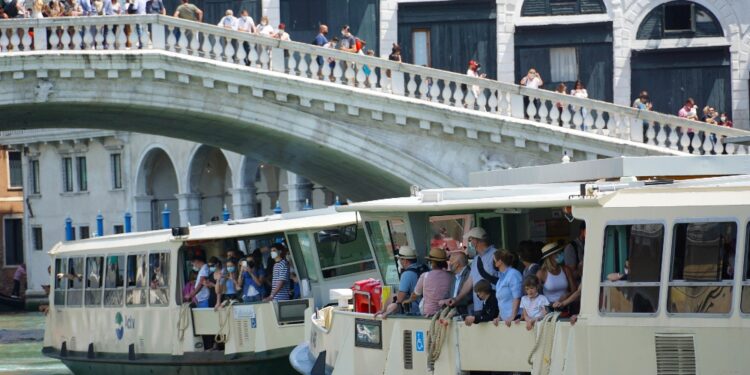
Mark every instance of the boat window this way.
pixel 136 286
pixel 631 268
pixel 94 280
pixel 337 259
pixel 448 231
pixel 302 252
pixel 745 304
pixel 75 282
pixel 159 279
pixel 398 230
pixel 382 246
pixel 702 267
pixel 60 281
pixel 114 280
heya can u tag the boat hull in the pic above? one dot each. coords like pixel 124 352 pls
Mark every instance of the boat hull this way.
pixel 272 362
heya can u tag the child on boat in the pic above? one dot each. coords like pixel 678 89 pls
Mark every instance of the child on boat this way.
pixel 534 305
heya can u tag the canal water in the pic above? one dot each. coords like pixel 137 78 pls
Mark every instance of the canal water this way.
pixel 21 337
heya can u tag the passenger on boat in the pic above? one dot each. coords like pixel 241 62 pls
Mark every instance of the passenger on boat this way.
pixel 508 288
pixel 267 264
pixel 226 288
pixel 458 265
pixel 479 245
pixel 251 281
pixel 189 286
pixel 489 310
pixel 200 293
pixel 533 304
pixel 214 267
pixel 557 280
pixel 296 292
pixel 280 277
pixel 407 258
pixel 433 286
pixel 233 255
pixel 530 252
pixel 574 252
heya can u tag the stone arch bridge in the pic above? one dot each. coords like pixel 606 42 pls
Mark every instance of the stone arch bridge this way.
pixel 363 126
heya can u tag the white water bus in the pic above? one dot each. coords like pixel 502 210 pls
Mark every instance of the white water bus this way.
pixel 683 309
pixel 116 305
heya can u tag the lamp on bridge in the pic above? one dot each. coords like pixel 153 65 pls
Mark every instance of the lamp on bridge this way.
pixel 68 229
pixel 99 224
pixel 277 209
pixel 307 206
pixel 165 217
pixel 225 213
pixel 128 222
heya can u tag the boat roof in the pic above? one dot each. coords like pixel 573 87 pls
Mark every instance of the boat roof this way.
pixel 676 167
pixel 303 220
pixel 629 193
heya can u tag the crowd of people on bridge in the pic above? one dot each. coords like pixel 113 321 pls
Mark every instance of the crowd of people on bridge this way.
pixel 485 284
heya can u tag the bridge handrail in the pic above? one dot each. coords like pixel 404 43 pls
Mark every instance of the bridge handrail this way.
pixel 301 59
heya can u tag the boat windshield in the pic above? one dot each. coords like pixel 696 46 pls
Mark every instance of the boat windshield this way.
pixel 386 236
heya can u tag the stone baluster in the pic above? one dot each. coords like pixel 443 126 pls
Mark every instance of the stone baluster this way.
pixel 254 56
pixel 338 71
pixel 66 38
pixel 361 76
pixel 171 39
pixel 458 95
pixel 206 46
pixel 577 118
pixel 435 90
pixel 98 37
pixel 350 73
pixel 661 135
pixel 194 42
pixel 313 67
pixel 531 108
pixel 292 62
pixel 673 139
pixel 220 46
pixel 543 112
pixel 600 126
pixel 411 87
pixel 482 101
pixel 554 115
pixel 447 93
pixel 588 120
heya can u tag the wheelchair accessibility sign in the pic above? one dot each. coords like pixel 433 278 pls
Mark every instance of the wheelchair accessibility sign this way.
pixel 419 337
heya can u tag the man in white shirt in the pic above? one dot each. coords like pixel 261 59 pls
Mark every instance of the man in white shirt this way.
pixel 534 81
pixel 200 293
pixel 229 21
pixel 245 23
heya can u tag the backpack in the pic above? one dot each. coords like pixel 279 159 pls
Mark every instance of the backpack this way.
pixel 358 43
pixel 421 268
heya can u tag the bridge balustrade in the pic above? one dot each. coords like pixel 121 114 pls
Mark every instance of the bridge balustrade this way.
pixel 156 32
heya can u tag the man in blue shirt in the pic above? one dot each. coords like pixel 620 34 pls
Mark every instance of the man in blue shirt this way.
pixel 321 41
pixel 407 257
pixel 479 247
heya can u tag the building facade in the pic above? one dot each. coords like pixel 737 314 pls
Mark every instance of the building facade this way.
pixel 11 217
pixel 80 174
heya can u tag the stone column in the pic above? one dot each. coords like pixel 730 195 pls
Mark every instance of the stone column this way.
pixel 388 26
pixel 505 33
pixel 622 29
pixel 243 202
pixel 142 212
pixel 190 208
pixel 299 188
pixel 272 9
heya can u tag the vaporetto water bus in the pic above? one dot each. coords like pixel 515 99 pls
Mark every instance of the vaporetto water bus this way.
pixel 674 230
pixel 116 304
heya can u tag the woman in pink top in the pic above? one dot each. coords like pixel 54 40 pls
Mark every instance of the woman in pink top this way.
pixel 434 285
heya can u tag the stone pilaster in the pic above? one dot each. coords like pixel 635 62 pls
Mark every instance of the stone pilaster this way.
pixel 243 202
pixel 142 212
pixel 388 26
pixel 299 189
pixel 190 208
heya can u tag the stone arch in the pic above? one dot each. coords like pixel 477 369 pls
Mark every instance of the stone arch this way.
pixel 157 186
pixel 721 9
pixel 209 182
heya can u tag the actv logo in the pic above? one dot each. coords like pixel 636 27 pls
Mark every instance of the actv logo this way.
pixel 119 327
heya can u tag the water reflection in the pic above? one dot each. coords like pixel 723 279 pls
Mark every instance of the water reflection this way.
pixel 21 346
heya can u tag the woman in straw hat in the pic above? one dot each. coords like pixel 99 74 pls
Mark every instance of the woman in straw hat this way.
pixel 557 280
pixel 433 286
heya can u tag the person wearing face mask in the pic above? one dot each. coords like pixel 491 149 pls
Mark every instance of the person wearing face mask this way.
pixel 251 281
pixel 411 270
pixel 226 288
pixel 200 292
pixel 557 280
pixel 265 28
pixel 480 249
pixel 458 265
pixel 574 252
pixel 348 42
pixel 280 277
pixel 433 286
pixel 245 23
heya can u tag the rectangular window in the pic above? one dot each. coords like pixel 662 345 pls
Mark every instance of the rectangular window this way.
pixel 340 259
pixel 449 230
pixel 304 259
pixel 702 268
pixel 34 177
pixel 83 231
pixel 679 17
pixel 563 64
pixel 421 43
pixel 36 237
pixel 94 278
pixel 745 304
pixel 61 281
pixel 114 280
pixel 13 232
pixel 631 268
pixel 385 247
pixel 15 174
pixel 75 282
pixel 118 229
pixel 116 162
pixel 136 280
pixel 159 279
pixel 83 178
pixel 67 164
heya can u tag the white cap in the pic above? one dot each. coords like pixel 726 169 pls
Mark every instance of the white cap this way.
pixel 477 233
pixel 406 252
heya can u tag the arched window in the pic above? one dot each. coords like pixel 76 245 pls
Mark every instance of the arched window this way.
pixel 679 19
pixel 532 8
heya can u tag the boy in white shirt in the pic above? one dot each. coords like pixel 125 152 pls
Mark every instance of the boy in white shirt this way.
pixel 534 305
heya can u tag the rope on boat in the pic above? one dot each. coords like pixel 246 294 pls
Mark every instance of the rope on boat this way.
pixel 222 336
pixel 436 334
pixel 184 320
pixel 543 336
